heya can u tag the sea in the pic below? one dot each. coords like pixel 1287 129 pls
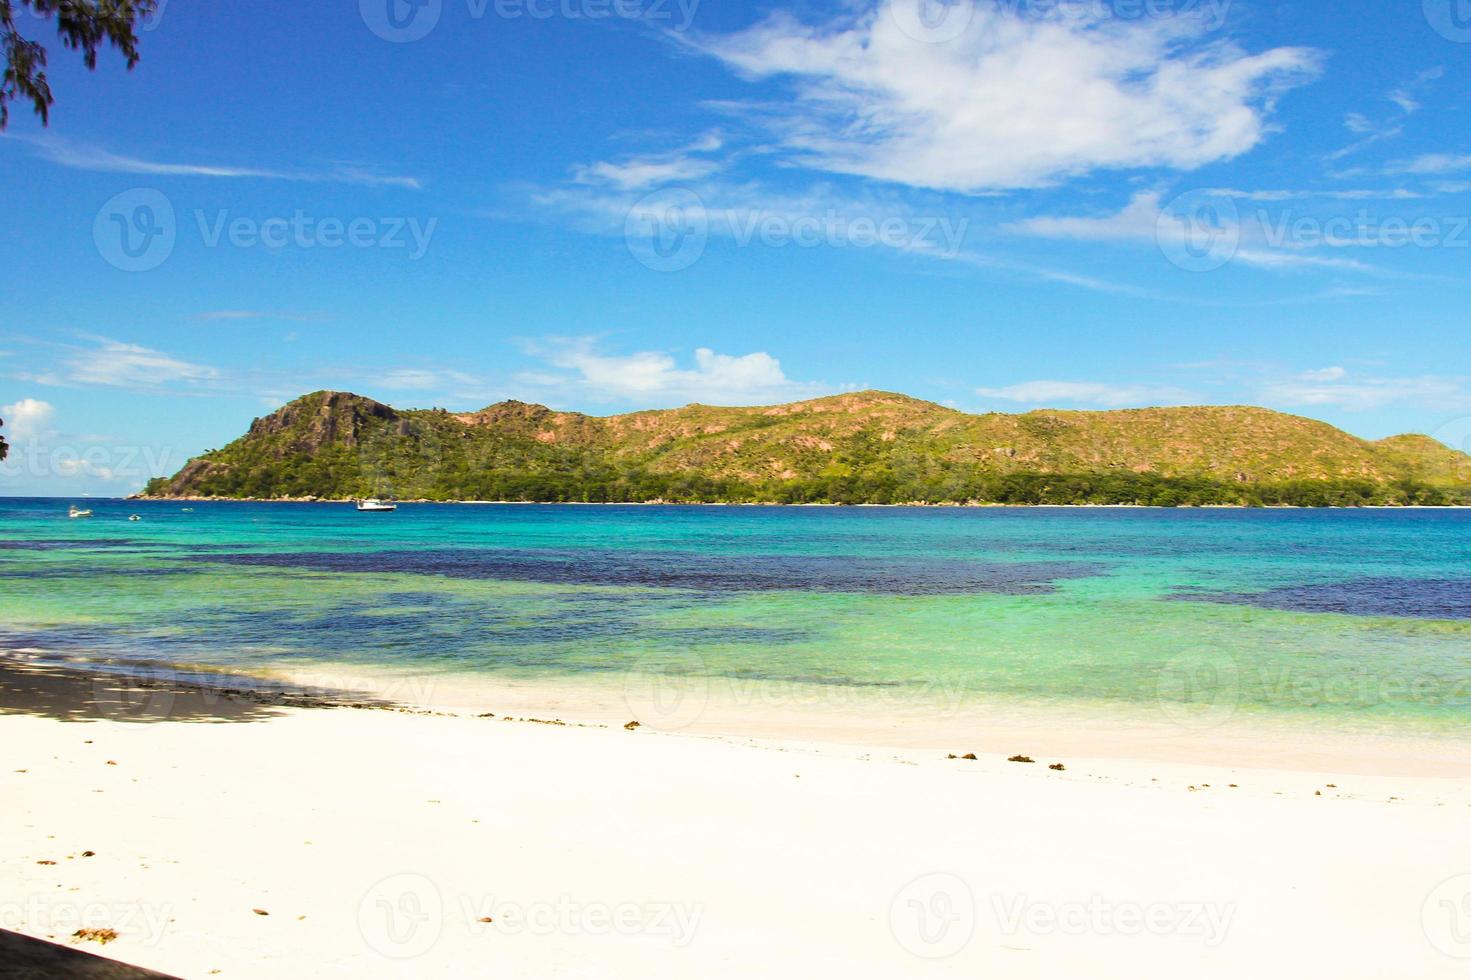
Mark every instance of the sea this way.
pixel 1352 620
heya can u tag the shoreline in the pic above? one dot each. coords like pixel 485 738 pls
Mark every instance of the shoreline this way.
pixel 913 505
pixel 729 709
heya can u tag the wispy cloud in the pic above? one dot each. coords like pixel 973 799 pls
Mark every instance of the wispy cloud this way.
pixel 82 157
pixel 1408 96
pixel 115 364
pixel 427 379
pixel 1431 164
pixel 1340 389
pixel 751 213
pixel 227 315
pixel 1136 221
pixel 1098 393
pixel 1318 194
pixel 687 163
pixel 1370 131
pixel 1254 238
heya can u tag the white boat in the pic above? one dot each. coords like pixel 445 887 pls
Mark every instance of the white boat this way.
pixel 134 517
pixel 374 505
pixel 76 511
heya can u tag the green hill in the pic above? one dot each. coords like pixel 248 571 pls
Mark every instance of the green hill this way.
pixel 865 447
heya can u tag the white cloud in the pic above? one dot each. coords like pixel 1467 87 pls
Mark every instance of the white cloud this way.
pixel 1015 101
pixel 655 378
pixel 28 418
pixel 1089 393
pixel 81 157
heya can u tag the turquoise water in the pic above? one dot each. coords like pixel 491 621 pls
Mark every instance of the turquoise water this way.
pixel 1349 618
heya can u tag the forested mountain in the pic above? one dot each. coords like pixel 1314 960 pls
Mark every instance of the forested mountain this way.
pixel 864 447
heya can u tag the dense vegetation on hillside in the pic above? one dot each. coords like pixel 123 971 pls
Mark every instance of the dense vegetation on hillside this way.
pixel 868 447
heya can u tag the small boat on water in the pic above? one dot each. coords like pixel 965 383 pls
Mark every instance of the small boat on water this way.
pixel 134 517
pixel 373 505
pixel 76 511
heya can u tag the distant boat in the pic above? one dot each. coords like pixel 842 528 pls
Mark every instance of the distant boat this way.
pixel 374 505
pixel 187 510
pixel 76 511
pixel 134 517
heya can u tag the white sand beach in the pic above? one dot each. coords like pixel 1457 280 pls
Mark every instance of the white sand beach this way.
pixel 316 842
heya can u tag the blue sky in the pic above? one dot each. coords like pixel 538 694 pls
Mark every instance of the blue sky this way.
pixel 606 205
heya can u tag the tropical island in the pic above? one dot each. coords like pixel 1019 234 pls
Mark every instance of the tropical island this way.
pixel 868 447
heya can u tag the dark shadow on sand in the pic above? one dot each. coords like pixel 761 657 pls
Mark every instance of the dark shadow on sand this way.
pixel 141 695
pixel 24 958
